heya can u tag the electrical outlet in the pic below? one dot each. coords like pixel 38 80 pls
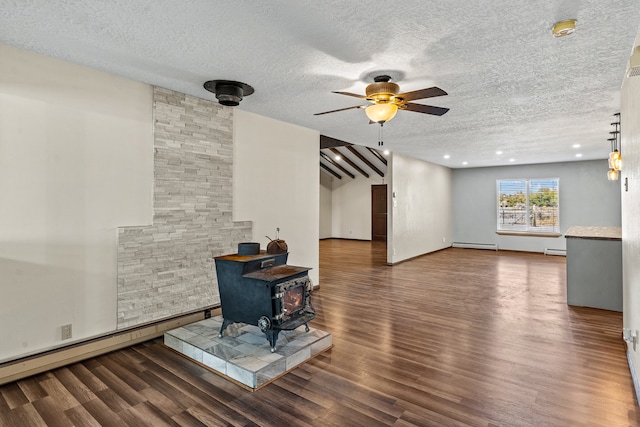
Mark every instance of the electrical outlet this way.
pixel 444 239
pixel 66 332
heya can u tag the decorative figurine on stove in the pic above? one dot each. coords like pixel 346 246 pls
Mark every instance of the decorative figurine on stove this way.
pixel 277 246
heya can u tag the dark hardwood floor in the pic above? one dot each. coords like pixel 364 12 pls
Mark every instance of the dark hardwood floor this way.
pixel 454 338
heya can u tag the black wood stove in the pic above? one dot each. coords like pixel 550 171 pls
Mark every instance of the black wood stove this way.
pixel 262 290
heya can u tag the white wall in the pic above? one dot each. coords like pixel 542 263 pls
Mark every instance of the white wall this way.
pixel 351 203
pixel 630 150
pixel 76 161
pixel 586 198
pixel 326 206
pixel 421 213
pixel 276 184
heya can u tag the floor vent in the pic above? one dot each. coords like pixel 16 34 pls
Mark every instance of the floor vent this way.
pixel 490 246
pixel 560 252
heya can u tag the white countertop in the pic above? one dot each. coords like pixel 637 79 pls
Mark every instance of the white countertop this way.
pixel 597 233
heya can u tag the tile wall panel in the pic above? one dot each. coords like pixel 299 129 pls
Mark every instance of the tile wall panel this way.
pixel 167 268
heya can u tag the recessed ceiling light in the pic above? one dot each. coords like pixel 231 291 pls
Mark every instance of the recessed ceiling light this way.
pixel 576 145
pixel 498 152
pixel 338 158
pixel 512 160
pixel 385 152
pixel 446 156
pixel 578 155
pixel 465 163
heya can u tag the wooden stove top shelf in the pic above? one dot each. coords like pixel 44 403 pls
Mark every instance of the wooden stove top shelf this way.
pixel 245 258
pixel 595 233
pixel 278 272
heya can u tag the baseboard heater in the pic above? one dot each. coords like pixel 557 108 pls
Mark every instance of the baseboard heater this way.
pixel 636 386
pixel 490 246
pixel 52 359
pixel 560 252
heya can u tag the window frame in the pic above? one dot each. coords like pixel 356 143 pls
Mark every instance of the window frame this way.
pixel 529 229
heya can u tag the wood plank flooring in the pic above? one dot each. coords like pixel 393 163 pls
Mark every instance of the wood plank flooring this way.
pixel 459 337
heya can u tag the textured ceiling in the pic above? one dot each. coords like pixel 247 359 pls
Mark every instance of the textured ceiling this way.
pixel 512 86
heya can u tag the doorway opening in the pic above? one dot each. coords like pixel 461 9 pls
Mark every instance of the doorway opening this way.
pixel 379 213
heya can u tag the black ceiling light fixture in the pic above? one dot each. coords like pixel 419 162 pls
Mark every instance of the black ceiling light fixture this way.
pixel 228 92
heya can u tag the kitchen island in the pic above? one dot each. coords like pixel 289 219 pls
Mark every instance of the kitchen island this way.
pixel 594 267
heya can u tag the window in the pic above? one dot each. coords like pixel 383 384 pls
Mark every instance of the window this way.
pixel 529 206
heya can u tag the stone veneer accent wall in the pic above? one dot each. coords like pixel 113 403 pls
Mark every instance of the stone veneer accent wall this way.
pixel 167 268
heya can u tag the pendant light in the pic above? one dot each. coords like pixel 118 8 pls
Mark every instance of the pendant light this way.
pixel 615 159
pixel 614 155
pixel 617 163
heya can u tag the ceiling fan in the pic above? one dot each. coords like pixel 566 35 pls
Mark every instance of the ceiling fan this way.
pixel 386 101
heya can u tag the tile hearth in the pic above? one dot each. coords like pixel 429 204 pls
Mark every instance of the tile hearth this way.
pixel 244 355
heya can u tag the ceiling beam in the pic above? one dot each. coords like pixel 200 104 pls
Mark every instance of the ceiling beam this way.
pixel 331 171
pixel 375 153
pixel 328 159
pixel 348 160
pixel 365 160
pixel 328 142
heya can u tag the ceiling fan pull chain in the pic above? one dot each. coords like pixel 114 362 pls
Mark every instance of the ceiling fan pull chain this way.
pixel 380 141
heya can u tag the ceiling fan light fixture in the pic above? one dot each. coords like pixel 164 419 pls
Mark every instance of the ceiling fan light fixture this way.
pixel 564 28
pixel 381 90
pixel 386 100
pixel 381 113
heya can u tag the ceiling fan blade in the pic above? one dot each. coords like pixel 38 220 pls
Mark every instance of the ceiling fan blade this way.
pixel 429 92
pixel 426 109
pixel 340 109
pixel 351 94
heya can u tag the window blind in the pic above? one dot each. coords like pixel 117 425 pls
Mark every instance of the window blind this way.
pixel 529 205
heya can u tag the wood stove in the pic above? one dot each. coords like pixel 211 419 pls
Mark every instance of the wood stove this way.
pixel 262 290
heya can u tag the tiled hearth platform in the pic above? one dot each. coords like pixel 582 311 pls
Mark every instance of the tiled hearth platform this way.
pixel 244 355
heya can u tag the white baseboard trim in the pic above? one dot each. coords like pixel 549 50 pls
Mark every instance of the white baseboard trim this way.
pixel 636 385
pixel 32 365
pixel 560 252
pixel 490 246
